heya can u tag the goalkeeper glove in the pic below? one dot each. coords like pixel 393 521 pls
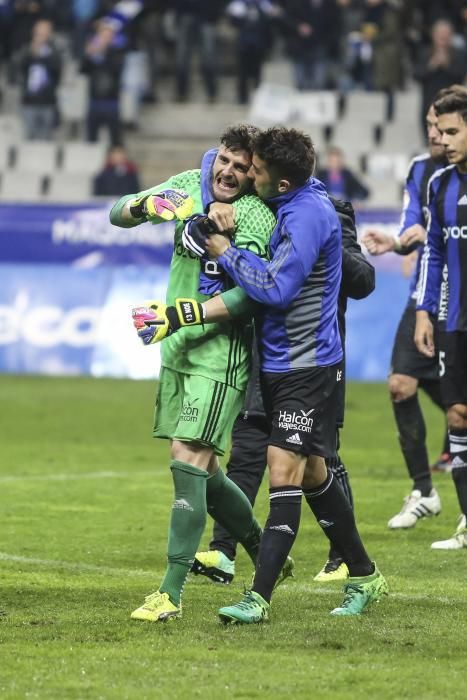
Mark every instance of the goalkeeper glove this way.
pixel 166 205
pixel 197 229
pixel 155 321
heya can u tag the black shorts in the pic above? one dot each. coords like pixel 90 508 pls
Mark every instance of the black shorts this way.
pixel 453 367
pixel 301 407
pixel 405 357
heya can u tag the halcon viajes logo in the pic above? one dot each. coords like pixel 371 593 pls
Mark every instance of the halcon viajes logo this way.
pixel 296 420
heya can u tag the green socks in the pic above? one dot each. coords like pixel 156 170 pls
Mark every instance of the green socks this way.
pixel 187 525
pixel 228 505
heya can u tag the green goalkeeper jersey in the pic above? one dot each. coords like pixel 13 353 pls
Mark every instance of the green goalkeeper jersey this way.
pixel 220 351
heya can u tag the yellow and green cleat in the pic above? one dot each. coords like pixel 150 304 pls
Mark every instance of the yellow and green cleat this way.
pixel 333 570
pixel 215 565
pixel 157 607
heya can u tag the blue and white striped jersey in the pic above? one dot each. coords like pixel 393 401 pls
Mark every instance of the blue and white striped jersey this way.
pixel 297 327
pixel 415 201
pixel 447 243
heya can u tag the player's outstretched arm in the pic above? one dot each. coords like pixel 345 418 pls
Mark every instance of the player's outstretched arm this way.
pixel 378 243
pixel 154 320
pixel 155 205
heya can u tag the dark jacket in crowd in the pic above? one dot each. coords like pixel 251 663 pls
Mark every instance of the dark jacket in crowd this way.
pixel 116 181
pixel 39 75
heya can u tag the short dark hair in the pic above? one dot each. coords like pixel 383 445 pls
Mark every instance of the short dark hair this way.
pixel 240 137
pixel 452 99
pixel 289 151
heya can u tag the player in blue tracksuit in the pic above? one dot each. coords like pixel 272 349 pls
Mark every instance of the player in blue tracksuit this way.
pixel 250 435
pixel 300 357
pixel 447 244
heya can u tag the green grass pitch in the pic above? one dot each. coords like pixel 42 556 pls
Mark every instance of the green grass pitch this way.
pixel 84 502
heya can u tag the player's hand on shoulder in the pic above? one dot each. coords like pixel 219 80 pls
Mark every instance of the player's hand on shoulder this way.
pixel 223 216
pixel 197 234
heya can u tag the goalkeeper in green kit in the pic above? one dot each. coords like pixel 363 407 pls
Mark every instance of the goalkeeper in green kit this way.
pixel 204 372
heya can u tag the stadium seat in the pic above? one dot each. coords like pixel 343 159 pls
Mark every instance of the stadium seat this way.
pixel 407 106
pixel 384 193
pixel 20 186
pixel 314 107
pixel 69 187
pixel 73 99
pixel 402 136
pixel 381 166
pixel 353 138
pixel 272 104
pixel 84 158
pixel 11 129
pixel 36 157
pixel 4 155
pixel 365 108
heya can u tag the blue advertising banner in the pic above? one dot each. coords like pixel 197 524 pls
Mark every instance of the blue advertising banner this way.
pixel 81 235
pixel 69 279
pixel 62 321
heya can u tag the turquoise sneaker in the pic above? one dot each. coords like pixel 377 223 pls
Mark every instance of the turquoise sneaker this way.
pixel 360 591
pixel 251 609
pixel 215 565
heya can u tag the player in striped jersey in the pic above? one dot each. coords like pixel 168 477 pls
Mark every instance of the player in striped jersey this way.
pixel 447 244
pixel 204 374
pixel 410 370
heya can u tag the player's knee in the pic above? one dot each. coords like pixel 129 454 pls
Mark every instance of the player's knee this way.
pixel 401 387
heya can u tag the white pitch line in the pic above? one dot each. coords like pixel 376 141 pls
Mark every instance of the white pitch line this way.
pixel 74 566
pixel 74 477
pixel 110 571
pixel 309 588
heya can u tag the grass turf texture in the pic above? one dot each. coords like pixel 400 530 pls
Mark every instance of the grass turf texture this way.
pixel 85 496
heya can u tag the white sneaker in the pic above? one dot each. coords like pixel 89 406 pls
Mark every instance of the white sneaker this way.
pixel 458 540
pixel 415 507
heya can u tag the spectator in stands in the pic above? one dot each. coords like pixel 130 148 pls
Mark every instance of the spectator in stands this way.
pixel 384 27
pixel 38 68
pixel 118 176
pixel 253 21
pixel 83 11
pixel 103 64
pixel 196 23
pixel 312 38
pixel 150 32
pixel 339 181
pixel 25 15
pixel 440 65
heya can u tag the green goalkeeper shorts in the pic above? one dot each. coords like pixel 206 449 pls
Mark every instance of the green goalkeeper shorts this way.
pixel 195 409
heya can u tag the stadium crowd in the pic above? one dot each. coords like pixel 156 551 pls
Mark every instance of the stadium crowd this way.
pixel 330 44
